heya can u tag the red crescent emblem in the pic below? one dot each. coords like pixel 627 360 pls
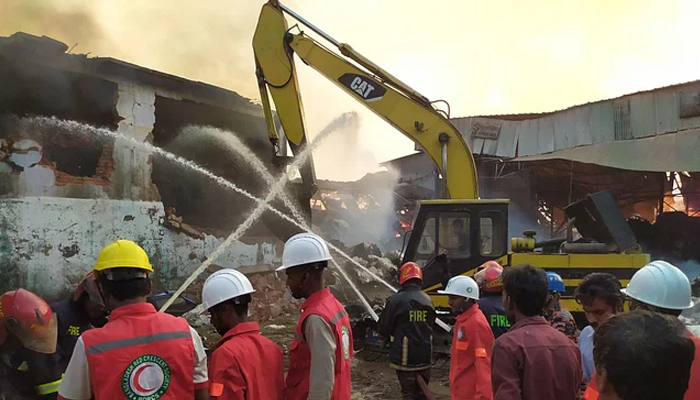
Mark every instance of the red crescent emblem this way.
pixel 137 375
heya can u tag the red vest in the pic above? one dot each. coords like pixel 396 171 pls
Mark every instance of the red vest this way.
pixel 141 353
pixel 693 392
pixel 470 361
pixel 327 307
pixel 591 392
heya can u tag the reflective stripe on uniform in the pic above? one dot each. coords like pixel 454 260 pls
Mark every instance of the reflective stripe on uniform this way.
pixel 338 316
pixel 23 367
pixel 117 344
pixel 48 388
pixel 404 351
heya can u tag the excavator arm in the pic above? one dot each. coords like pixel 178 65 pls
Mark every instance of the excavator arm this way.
pixel 407 110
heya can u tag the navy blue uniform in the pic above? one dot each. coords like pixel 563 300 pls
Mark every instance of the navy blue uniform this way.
pixel 72 322
pixel 492 307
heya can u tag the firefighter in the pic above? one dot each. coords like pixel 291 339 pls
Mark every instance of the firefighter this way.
pixel 559 317
pixel 663 288
pixel 321 352
pixel 490 280
pixel 139 353
pixel 28 343
pixel 82 311
pixel 470 356
pixel 244 364
pixel 407 321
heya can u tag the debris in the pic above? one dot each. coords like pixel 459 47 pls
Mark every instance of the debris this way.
pixel 176 223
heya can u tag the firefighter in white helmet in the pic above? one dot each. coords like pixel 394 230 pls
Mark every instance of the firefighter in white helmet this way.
pixel 472 340
pixel 662 287
pixel 320 354
pixel 244 364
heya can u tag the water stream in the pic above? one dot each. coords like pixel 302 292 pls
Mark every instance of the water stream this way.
pixel 46 124
pixel 247 155
pixel 235 144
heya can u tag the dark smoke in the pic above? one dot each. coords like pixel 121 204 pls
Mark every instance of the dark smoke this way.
pixel 47 18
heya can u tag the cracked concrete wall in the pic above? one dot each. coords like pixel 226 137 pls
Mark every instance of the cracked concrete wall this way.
pixel 48 244
pixel 131 178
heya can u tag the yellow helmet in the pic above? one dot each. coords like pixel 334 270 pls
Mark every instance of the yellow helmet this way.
pixel 123 254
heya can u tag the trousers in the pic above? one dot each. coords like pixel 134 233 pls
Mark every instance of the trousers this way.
pixel 409 384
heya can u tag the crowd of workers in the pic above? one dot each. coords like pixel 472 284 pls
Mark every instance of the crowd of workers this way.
pixel 512 339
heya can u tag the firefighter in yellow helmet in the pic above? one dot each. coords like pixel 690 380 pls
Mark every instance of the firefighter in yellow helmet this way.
pixel 140 352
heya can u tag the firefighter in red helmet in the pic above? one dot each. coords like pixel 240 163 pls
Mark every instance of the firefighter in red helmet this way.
pixel 28 334
pixel 82 311
pixel 407 321
pixel 489 277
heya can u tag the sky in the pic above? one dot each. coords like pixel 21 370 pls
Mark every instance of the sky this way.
pixel 484 57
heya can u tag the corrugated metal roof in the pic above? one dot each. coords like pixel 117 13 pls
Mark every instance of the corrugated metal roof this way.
pixel 668 152
pixel 632 117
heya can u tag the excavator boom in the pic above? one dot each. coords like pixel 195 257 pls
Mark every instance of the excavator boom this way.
pixel 396 103
pixel 450 236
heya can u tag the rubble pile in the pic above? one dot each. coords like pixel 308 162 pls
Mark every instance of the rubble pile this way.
pixel 271 298
pixel 383 265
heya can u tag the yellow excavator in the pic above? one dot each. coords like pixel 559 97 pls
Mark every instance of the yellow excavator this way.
pixel 454 235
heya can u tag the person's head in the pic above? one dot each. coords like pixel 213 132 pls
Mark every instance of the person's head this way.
pixel 524 291
pixel 226 295
pixel 659 287
pixel 304 259
pixel 122 272
pixel 26 320
pixel 599 295
pixel 462 292
pixel 87 296
pixel 410 274
pixel 642 355
pixel 458 226
pixel 556 288
pixel 489 277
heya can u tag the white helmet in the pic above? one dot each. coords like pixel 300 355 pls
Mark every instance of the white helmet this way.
pixel 223 285
pixel 463 286
pixel 662 285
pixel 304 248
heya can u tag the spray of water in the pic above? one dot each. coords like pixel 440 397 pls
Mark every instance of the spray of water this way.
pixel 247 155
pixel 235 144
pixel 45 125
pixel 261 207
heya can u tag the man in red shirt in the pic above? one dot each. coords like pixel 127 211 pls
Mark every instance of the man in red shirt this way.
pixel 532 361
pixel 470 357
pixel 244 365
pixel 642 355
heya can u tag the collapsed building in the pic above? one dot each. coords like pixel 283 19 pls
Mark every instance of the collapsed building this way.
pixel 76 172
pixel 642 147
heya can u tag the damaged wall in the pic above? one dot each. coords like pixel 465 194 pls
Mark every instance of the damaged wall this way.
pixel 65 192
pixel 49 244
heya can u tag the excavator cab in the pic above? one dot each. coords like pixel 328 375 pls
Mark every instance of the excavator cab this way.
pixel 454 237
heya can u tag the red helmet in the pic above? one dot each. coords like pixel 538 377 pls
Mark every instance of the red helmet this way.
pixel 410 270
pixel 88 285
pixel 29 317
pixel 490 277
